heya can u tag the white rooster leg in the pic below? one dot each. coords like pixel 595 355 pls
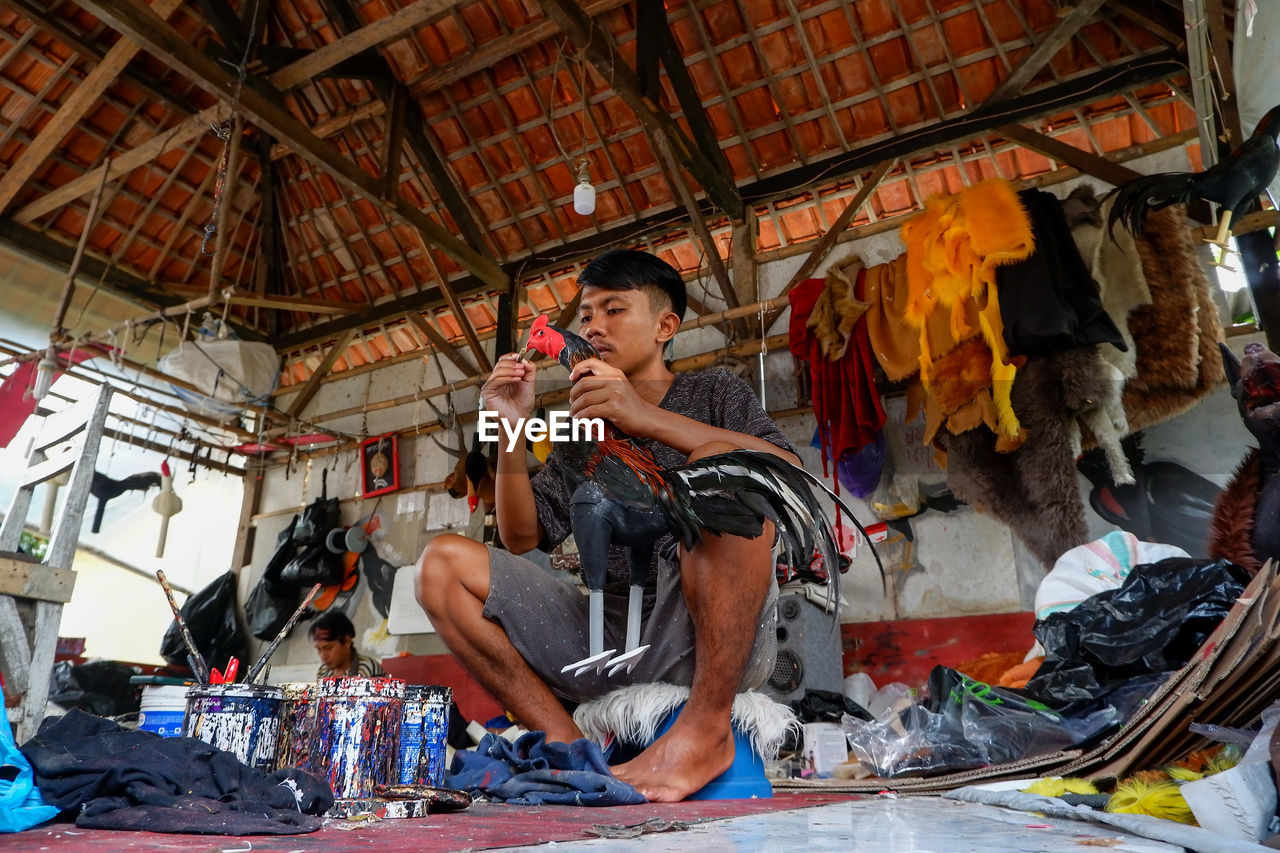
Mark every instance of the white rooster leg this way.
pixel 598 658
pixel 635 651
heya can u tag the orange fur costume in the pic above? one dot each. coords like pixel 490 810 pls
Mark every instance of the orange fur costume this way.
pixel 953 249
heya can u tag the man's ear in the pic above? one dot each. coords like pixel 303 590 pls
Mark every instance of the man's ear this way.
pixel 668 325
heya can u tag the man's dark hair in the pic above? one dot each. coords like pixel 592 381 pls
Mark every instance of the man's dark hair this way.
pixel 629 269
pixel 332 625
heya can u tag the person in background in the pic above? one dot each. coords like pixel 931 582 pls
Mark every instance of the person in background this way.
pixel 333 635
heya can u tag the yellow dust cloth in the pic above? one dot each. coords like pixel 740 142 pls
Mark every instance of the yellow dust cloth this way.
pixel 953 249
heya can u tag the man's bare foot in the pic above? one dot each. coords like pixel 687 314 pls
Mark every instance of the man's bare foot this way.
pixel 679 763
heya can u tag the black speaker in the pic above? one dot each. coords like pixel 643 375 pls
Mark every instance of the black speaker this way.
pixel 809 650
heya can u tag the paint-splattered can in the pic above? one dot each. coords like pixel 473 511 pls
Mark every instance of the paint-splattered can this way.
pixel 297 725
pixel 411 734
pixel 357 733
pixel 243 719
pixel 435 732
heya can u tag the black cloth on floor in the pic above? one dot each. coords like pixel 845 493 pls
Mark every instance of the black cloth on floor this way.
pixel 122 779
pixel 1049 302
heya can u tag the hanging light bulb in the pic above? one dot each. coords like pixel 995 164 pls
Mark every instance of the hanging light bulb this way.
pixel 44 374
pixel 584 195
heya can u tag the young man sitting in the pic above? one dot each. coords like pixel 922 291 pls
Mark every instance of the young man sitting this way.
pixel 709 616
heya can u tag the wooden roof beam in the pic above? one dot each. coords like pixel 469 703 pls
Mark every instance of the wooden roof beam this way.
pixel 1220 52
pixel 1067 27
pixel 226 24
pixel 598 47
pixel 1153 17
pixel 441 343
pixel 82 97
pixel 1082 90
pixel 1086 161
pixel 298 403
pixel 393 26
pixel 390 90
pixel 132 18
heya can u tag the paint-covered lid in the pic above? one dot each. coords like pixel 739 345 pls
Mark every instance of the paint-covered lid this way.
pixel 360 688
pixel 297 691
pixel 235 691
pixel 432 693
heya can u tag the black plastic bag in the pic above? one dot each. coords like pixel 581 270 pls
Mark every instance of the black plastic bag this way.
pixel 318 518
pixel 827 706
pixel 210 615
pixel 271 602
pixel 1153 623
pixel 962 724
pixel 99 686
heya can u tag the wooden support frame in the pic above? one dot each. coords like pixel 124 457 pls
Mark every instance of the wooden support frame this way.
pixel 599 49
pixel 1220 57
pixel 130 17
pixel 393 142
pixel 441 343
pixel 1087 162
pixel 82 97
pixel 827 241
pixel 299 403
pixel 1066 27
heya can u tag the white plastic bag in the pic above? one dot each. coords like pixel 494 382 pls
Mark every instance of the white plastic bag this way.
pixel 230 374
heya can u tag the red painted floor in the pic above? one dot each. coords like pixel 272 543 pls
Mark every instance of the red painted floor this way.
pixel 484 826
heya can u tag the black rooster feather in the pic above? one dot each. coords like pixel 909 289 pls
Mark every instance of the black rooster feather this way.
pixel 1233 183
pixel 623 496
pixel 104 489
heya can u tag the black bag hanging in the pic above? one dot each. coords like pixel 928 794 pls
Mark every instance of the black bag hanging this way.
pixel 210 615
pixel 319 517
pixel 271 602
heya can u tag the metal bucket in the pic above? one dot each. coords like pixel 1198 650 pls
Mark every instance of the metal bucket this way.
pixel 243 719
pixel 357 733
pixel 297 725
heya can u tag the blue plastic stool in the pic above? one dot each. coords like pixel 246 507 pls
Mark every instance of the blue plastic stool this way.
pixel 743 780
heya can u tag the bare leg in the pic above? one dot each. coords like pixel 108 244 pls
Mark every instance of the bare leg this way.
pixel 724 581
pixel 452 585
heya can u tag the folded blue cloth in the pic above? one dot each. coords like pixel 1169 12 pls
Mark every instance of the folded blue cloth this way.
pixel 532 772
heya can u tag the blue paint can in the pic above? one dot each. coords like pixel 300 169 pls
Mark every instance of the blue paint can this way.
pixel 243 719
pixel 435 732
pixel 411 734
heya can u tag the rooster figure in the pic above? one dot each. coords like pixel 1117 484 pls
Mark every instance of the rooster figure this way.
pixel 1232 184
pixel 620 495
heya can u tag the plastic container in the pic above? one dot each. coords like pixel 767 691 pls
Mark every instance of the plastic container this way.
pixel 163 708
pixel 243 719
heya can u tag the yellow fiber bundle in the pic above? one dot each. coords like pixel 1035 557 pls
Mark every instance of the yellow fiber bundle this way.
pixel 1056 786
pixel 1158 799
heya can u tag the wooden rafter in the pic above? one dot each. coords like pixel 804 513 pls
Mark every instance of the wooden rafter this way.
pixel 1081 90
pixel 696 220
pixel 599 49
pixel 82 97
pixel 1055 149
pixel 1153 17
pixel 1220 56
pixel 125 162
pixel 393 143
pixel 298 403
pixel 490 54
pixel 130 17
pixel 827 241
pixel 441 343
pixel 226 23
pixel 391 91
pixel 385 29
pixel 1053 42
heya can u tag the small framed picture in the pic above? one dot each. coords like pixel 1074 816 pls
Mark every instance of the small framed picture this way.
pixel 379 465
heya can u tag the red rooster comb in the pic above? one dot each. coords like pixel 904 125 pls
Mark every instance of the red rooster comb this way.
pixel 545 338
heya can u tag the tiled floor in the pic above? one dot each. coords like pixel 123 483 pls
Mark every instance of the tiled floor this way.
pixel 904 825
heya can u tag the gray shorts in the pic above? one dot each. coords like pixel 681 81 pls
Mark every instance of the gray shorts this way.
pixel 546 620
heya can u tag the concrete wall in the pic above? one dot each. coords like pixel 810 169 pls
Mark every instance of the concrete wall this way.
pixel 960 563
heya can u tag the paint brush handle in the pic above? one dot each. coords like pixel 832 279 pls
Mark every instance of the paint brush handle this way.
pixel 279 638
pixel 199 667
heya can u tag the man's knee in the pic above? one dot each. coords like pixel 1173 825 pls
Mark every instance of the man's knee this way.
pixel 448 561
